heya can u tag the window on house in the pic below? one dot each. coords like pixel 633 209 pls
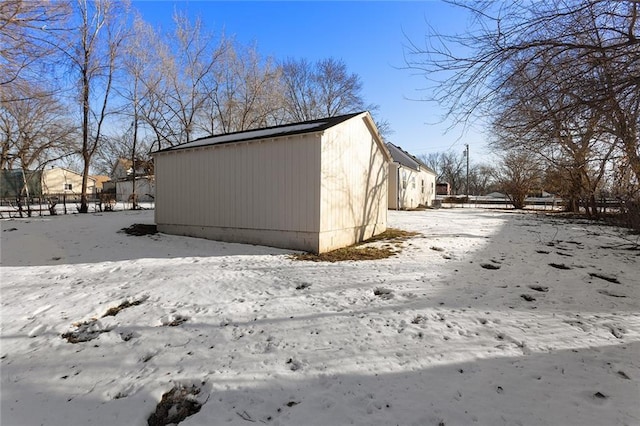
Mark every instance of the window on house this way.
pixel 422 186
pixel 68 186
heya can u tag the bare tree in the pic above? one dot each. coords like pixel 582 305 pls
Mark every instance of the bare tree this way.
pixel 433 161
pixel 321 89
pixel 538 112
pixel 518 174
pixel 178 101
pixel 300 96
pixel 25 47
pixel 33 130
pixel 91 47
pixel 452 166
pixel 33 133
pixel 600 37
pixel 339 91
pixel 481 178
pixel 245 92
pixel 137 62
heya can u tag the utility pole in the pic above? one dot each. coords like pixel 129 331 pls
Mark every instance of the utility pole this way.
pixel 466 153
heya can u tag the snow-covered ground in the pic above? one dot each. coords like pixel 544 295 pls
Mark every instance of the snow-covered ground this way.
pixel 487 318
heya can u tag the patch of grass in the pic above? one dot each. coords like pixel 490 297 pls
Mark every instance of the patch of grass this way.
pixel 362 252
pixel 393 235
pixel 347 253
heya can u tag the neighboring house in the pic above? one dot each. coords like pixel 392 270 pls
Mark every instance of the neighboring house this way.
pixel 313 186
pixel 100 181
pixel 59 181
pixel 122 180
pixel 411 182
pixel 12 183
pixel 124 168
pixel 145 189
pixel 443 188
pixel 55 181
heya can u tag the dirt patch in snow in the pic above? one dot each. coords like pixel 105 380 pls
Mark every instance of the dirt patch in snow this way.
pixel 88 330
pixel 175 406
pixel 85 331
pixel 113 311
pixel 140 229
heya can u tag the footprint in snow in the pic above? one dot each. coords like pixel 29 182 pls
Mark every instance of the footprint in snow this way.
pixel 611 293
pixel 490 266
pixel 608 278
pixel 173 320
pixel 617 331
pixel 540 288
pixel 294 365
pixel 623 375
pixel 383 293
pixel 37 330
pixel 579 324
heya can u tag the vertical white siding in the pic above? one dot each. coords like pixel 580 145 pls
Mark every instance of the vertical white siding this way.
pixel 270 185
pixel 393 186
pixel 354 185
pixel 412 193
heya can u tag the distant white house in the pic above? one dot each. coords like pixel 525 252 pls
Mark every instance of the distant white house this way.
pixel 411 182
pixel 122 180
pixel 313 186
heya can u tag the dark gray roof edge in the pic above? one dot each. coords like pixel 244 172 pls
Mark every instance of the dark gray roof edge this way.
pixel 401 156
pixel 328 122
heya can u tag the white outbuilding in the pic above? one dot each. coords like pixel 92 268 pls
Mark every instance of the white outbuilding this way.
pixel 411 182
pixel 313 186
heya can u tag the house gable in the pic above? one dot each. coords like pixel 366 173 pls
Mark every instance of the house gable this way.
pixel 411 182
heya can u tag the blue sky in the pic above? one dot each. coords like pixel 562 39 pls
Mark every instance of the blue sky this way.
pixel 367 35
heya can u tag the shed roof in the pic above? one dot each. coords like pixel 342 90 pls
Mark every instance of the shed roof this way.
pixel 267 132
pixel 402 157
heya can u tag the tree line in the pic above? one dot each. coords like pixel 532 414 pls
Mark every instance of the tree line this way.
pixel 558 85
pixel 90 79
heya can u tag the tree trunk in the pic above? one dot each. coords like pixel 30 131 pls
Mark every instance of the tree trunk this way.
pixel 84 205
